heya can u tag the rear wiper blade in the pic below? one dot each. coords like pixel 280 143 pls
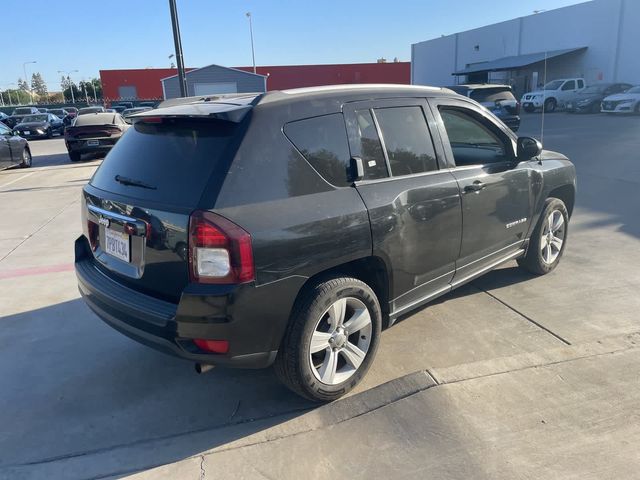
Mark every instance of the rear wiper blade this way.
pixel 133 183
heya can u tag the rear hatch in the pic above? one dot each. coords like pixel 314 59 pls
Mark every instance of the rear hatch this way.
pixel 500 100
pixel 138 204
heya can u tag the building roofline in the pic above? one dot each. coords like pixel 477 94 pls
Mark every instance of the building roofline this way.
pixel 214 65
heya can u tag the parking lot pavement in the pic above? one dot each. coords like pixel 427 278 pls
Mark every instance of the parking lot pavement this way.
pixel 81 401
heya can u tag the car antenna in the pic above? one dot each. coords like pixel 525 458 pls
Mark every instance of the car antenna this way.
pixel 544 99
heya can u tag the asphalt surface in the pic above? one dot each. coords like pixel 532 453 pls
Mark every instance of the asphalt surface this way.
pixel 512 376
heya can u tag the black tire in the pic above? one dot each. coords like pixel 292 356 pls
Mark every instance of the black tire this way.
pixel 26 159
pixel 529 109
pixel 595 108
pixel 534 260
pixel 550 105
pixel 49 133
pixel 74 156
pixel 293 365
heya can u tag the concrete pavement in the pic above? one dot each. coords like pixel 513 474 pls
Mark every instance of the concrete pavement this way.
pixel 458 389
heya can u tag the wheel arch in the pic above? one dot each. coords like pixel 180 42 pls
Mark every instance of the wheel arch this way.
pixel 567 194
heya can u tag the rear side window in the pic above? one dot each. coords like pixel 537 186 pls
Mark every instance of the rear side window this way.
pixel 323 142
pixel 570 85
pixel 174 158
pixel 407 140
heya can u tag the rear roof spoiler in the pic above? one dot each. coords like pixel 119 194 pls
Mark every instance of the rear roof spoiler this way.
pixel 230 107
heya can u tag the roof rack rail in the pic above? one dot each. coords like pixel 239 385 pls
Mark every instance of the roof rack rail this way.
pixel 210 98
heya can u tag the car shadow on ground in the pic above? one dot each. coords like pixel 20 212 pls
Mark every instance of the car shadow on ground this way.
pixel 62 159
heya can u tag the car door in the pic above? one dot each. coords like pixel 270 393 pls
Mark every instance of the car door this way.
pixel 412 199
pixel 495 189
pixel 5 150
pixel 567 90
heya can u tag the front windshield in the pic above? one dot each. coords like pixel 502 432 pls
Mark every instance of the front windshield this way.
pixel 633 90
pixel 555 85
pixel 57 112
pixel 35 118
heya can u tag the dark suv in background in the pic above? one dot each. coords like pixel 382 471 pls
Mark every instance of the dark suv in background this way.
pixel 498 99
pixel 289 227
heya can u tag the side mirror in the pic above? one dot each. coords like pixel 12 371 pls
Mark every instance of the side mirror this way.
pixel 356 168
pixel 528 148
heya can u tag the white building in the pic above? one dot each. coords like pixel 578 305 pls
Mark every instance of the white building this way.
pixel 597 40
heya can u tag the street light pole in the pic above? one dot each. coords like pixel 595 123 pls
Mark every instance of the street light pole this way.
pixel 68 74
pixel 24 70
pixel 253 53
pixel 182 80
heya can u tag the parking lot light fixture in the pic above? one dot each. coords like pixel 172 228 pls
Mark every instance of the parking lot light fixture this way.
pixel 68 75
pixel 24 70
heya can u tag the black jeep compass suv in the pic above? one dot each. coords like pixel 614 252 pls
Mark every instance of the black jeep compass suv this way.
pixel 288 228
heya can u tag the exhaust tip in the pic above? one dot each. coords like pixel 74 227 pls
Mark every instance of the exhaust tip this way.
pixel 203 367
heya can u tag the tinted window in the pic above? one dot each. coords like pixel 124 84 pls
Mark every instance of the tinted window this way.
pixel 570 85
pixel 176 157
pixel 580 83
pixel 472 142
pixel 368 146
pixel 407 140
pixel 323 142
pixel 492 94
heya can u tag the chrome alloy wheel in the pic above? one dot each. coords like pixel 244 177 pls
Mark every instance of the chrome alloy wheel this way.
pixel 553 235
pixel 340 341
pixel 26 158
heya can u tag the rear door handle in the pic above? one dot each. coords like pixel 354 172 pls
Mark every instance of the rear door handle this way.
pixel 475 187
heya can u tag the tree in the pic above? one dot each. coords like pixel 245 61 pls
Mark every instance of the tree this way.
pixel 37 84
pixel 89 86
pixel 15 97
pixel 23 85
pixel 67 86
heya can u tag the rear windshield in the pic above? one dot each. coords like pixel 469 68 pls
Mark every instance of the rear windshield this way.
pixel 175 159
pixel 22 111
pixel 492 94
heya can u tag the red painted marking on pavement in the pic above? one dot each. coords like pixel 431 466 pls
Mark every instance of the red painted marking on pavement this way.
pixel 25 272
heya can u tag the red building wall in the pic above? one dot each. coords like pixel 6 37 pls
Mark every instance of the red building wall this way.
pixel 280 77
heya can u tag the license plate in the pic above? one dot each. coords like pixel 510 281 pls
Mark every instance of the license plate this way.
pixel 27 132
pixel 117 244
pixel 93 143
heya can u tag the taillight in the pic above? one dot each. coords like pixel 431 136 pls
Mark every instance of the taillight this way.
pixel 212 346
pixel 219 250
pixel 92 234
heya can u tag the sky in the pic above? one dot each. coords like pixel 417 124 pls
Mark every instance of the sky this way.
pixel 113 34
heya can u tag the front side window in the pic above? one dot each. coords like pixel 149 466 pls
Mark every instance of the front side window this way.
pixel 369 147
pixel 407 140
pixel 323 142
pixel 4 130
pixel 570 85
pixel 472 141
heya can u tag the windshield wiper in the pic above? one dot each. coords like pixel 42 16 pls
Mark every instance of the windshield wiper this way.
pixel 133 183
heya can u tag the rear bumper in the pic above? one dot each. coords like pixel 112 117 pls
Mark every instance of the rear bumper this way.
pixel 252 319
pixel 80 146
pixel 513 122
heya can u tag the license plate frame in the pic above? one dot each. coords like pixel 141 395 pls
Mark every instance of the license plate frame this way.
pixel 117 244
pixel 27 132
pixel 93 143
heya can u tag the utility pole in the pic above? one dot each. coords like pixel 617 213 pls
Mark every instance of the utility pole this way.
pixel 68 74
pixel 182 80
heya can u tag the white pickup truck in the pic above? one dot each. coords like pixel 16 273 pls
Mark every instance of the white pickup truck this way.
pixel 552 95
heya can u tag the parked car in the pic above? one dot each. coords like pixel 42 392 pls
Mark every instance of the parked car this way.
pixel 14 150
pixel 118 108
pixel 39 126
pixel 123 104
pixel 18 114
pixel 72 113
pixel 297 258
pixel 498 99
pixel 589 99
pixel 87 110
pixel 95 132
pixel 627 102
pixel 552 95
pixel 132 111
pixel 61 113
pixel 148 104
